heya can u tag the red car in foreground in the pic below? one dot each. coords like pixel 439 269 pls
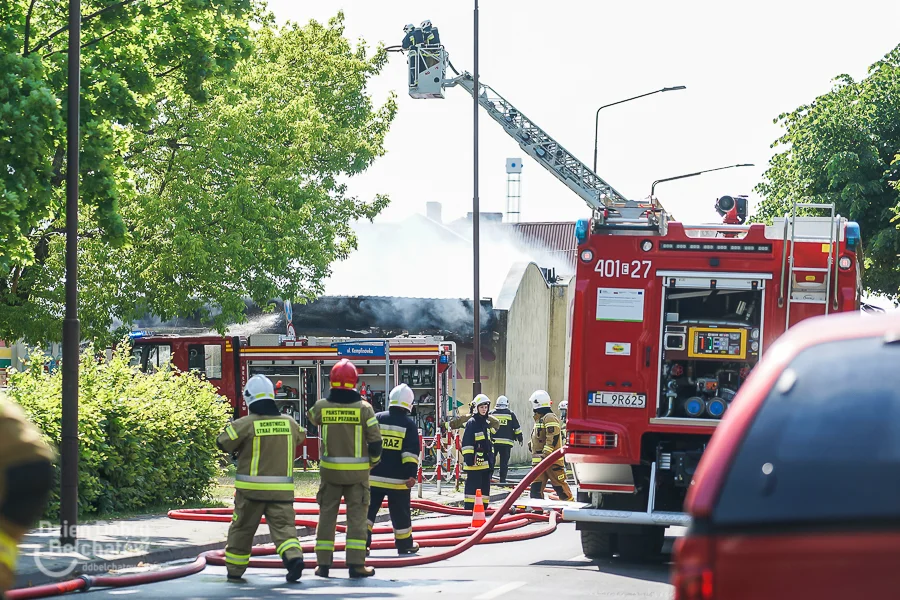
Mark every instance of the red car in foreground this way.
pixel 798 493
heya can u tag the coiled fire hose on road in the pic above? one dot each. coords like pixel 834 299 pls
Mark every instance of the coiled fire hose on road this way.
pixel 458 535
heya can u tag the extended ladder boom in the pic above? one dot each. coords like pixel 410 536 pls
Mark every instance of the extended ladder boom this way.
pixel 427 66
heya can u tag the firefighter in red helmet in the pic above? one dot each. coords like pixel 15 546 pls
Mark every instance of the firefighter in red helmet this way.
pixel 344 463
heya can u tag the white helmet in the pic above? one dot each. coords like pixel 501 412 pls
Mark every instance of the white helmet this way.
pixel 540 399
pixel 425 24
pixel 480 400
pixel 408 27
pixel 402 396
pixel 259 387
pixel 564 405
pixel 502 402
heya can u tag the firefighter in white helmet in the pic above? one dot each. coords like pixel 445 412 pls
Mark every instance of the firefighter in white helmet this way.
pixel 508 432
pixel 265 442
pixel 546 438
pixel 396 474
pixel 563 413
pixel 478 453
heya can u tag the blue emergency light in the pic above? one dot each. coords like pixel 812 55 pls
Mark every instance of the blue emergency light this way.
pixel 140 334
pixel 853 236
pixel 581 230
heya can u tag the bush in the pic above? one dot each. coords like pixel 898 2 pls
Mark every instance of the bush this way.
pixel 145 439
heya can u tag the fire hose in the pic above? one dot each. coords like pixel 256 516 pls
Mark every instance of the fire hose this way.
pixel 460 537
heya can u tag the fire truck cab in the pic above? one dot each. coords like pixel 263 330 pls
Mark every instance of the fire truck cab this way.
pixel 667 323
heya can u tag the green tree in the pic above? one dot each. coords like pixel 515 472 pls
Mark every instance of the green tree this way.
pixel 843 148
pixel 235 192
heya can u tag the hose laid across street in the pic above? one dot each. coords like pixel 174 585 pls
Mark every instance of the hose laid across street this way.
pixel 460 536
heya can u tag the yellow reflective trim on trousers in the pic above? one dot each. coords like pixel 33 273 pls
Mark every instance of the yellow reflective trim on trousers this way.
pixel 476 468
pixel 254 461
pixel 479 436
pixel 288 544
pixel 344 466
pixel 276 487
pixel 358 441
pixel 355 544
pixel 324 545
pixel 232 434
pixel 410 459
pixel 388 486
pixel 8 551
pixel 402 534
pixel 237 559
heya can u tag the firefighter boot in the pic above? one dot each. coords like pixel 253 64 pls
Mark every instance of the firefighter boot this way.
pixel 360 571
pixel 294 570
pixel 411 550
pixel 322 571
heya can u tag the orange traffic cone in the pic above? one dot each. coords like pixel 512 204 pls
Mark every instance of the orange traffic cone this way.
pixel 478 510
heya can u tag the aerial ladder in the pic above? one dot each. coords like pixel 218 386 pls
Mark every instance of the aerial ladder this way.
pixel 428 66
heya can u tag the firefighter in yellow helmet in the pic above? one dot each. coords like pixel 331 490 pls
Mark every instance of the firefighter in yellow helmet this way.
pixel 395 475
pixel 546 438
pixel 265 442
pixel 478 453
pixel 26 478
pixel 345 421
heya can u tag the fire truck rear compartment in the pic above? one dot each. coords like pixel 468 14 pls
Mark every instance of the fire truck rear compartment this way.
pixel 710 341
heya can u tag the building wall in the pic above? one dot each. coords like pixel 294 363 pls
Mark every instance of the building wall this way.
pixel 567 350
pixel 527 299
pixel 556 377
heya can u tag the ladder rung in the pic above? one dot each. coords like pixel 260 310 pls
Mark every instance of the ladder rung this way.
pixel 812 269
pixel 813 205
pixel 812 238
pixel 793 301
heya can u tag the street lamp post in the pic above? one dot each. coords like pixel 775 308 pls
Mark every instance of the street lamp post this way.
pixel 597 115
pixel 476 222
pixel 71 326
pixel 653 187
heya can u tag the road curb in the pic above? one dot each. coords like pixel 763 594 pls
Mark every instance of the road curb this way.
pixel 155 557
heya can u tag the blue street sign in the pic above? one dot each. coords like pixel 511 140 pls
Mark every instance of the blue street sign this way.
pixel 361 350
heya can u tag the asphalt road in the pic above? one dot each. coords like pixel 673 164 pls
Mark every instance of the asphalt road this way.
pixel 548 568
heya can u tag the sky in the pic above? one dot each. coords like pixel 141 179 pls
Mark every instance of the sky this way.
pixel 743 64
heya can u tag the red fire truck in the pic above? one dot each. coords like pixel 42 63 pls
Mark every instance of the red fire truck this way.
pixel 300 370
pixel 667 322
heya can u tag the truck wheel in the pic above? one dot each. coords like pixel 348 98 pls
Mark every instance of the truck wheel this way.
pixel 597 544
pixel 641 546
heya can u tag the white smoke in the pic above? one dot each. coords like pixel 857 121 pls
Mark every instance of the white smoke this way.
pixel 420 258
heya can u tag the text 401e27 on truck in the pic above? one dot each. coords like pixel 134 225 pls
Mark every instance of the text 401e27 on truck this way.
pixel 665 328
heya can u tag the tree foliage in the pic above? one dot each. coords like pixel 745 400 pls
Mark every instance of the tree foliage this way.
pixel 145 440
pixel 214 163
pixel 844 147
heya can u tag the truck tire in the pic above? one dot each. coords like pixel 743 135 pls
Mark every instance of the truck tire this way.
pixel 642 546
pixel 597 544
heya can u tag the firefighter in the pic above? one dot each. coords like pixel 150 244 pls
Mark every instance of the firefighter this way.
pixel 265 442
pixel 345 420
pixel 460 421
pixel 508 431
pixel 430 32
pixel 412 37
pixel 26 478
pixel 396 474
pixel 478 453
pixel 563 411
pixel 547 437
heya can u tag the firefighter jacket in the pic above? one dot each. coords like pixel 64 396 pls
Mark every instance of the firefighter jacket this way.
pixel 546 437
pixel 26 478
pixel 349 437
pixel 265 446
pixel 399 450
pixel 413 38
pixel 477 449
pixel 460 421
pixel 509 429
pixel 432 37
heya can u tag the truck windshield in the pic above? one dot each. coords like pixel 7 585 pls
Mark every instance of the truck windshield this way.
pixel 825 445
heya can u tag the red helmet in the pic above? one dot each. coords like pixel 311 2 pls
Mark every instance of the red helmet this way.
pixel 344 375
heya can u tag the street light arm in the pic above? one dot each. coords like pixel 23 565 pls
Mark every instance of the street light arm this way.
pixel 653 187
pixel 597 114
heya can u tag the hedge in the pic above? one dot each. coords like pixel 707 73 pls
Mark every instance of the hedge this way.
pixel 145 440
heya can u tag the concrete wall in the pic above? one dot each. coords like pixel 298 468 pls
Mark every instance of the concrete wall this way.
pixel 570 301
pixel 556 376
pixel 526 297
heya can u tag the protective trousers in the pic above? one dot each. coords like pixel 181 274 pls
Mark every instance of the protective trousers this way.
pixel 245 521
pixel 556 475
pixel 401 517
pixel 502 457
pixel 476 480
pixel 356 497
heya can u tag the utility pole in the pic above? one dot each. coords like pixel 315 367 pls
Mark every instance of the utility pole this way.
pixel 476 222
pixel 71 326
